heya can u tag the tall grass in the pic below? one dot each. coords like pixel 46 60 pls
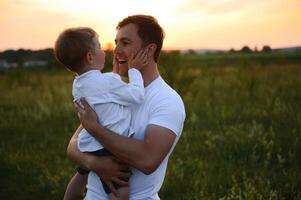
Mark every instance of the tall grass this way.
pixel 37 119
pixel 241 138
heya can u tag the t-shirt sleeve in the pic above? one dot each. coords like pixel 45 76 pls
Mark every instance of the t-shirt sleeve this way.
pixel 170 114
pixel 127 93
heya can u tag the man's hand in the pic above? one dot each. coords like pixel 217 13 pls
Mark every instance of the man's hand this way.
pixel 110 170
pixel 87 115
pixel 138 61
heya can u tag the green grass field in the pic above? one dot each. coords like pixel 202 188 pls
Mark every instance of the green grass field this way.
pixel 241 140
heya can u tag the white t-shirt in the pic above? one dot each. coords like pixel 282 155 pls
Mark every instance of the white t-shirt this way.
pixel 111 99
pixel 163 107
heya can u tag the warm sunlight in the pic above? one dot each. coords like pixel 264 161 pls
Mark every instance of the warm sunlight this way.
pixel 114 10
pixel 222 24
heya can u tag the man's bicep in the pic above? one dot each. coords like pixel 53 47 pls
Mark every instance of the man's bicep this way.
pixel 169 114
pixel 160 140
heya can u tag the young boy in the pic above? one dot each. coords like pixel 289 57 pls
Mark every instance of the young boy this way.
pixel 79 50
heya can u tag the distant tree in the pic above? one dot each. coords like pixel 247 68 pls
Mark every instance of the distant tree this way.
pixel 266 49
pixel 109 47
pixel 109 60
pixel 191 51
pixel 246 49
pixel 109 56
pixel 232 50
pixel 255 49
pixel 22 55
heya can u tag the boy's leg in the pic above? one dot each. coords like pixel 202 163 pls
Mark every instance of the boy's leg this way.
pixel 76 187
pixel 124 193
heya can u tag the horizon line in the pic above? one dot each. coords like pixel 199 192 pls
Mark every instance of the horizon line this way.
pixel 170 48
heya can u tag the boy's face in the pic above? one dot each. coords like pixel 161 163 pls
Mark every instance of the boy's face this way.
pixel 99 55
pixel 127 42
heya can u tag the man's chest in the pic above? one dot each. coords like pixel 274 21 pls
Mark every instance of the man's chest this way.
pixel 140 119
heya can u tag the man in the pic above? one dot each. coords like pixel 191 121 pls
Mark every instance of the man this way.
pixel 157 122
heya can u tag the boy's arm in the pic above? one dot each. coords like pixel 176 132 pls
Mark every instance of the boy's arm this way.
pixel 76 187
pixel 133 92
pixel 127 93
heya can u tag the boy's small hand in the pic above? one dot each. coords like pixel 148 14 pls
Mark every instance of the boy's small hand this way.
pixel 138 61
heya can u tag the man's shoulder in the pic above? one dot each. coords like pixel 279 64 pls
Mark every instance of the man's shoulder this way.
pixel 164 97
pixel 165 92
pixel 167 109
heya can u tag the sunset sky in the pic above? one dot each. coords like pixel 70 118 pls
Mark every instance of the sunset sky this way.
pixel 195 24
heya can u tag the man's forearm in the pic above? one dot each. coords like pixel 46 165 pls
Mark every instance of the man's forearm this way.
pixel 143 155
pixel 131 156
pixel 127 150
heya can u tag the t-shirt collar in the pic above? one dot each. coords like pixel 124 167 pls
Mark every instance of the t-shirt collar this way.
pixel 154 82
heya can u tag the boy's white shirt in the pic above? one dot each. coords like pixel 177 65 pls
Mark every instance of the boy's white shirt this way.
pixel 111 99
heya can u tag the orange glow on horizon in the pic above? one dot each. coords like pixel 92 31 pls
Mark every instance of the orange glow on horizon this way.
pixel 189 24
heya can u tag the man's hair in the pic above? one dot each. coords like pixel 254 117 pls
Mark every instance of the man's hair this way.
pixel 149 30
pixel 72 46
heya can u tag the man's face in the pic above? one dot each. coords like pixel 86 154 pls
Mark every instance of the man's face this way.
pixel 99 55
pixel 127 42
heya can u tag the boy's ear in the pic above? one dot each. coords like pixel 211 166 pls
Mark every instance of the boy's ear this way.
pixel 89 58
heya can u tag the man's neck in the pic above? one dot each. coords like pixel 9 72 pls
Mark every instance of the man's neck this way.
pixel 149 73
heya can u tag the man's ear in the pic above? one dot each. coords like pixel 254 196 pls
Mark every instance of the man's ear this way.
pixel 151 49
